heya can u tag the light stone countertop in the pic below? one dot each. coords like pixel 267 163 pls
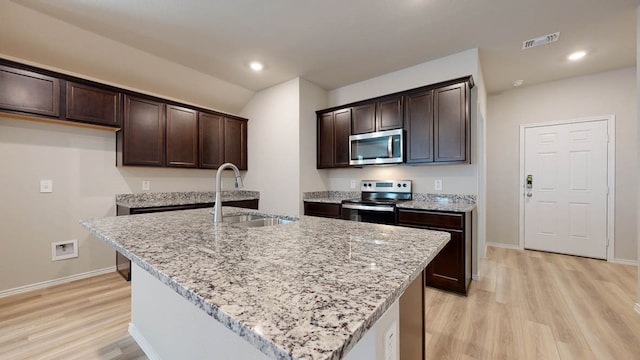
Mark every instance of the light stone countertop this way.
pixel 437 206
pixel 309 289
pixel 158 199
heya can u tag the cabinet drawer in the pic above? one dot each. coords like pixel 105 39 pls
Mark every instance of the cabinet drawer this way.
pixel 322 209
pixel 431 219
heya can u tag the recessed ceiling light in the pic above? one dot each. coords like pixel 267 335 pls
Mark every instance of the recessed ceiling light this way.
pixel 518 83
pixel 577 55
pixel 256 66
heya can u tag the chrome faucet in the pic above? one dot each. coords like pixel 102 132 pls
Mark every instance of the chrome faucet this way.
pixel 217 210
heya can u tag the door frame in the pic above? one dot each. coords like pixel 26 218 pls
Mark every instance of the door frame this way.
pixel 611 178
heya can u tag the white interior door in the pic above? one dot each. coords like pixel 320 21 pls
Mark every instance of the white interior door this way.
pixel 565 208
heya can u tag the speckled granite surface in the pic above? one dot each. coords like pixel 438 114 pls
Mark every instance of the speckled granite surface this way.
pixel 440 202
pixel 153 199
pixel 331 197
pixel 304 290
pixel 435 202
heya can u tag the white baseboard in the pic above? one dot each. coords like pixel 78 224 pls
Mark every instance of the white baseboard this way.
pixel 48 283
pixel 506 246
pixel 142 342
pixel 637 308
pixel 475 277
pixel 624 261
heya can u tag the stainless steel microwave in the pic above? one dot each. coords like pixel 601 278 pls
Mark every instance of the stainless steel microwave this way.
pixel 382 147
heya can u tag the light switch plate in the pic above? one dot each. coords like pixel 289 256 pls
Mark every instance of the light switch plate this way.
pixel 46 186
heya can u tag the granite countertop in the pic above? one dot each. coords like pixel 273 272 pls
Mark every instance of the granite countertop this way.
pixel 434 202
pixel 437 206
pixel 331 197
pixel 157 199
pixel 309 289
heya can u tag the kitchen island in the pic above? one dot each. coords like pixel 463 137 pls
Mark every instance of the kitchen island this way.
pixel 309 289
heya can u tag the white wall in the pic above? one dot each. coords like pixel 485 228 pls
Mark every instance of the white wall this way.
pixel 274 147
pixel 32 37
pixel 612 92
pixel 458 179
pixel 81 163
pixel 312 98
pixel 638 152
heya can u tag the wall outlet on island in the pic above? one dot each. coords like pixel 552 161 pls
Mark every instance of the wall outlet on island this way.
pixel 146 185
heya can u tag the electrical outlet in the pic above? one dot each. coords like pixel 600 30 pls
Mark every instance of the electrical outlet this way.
pixel 353 183
pixel 438 185
pixel 146 185
pixel 46 186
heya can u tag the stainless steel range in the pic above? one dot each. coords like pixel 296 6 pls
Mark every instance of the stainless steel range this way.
pixel 378 201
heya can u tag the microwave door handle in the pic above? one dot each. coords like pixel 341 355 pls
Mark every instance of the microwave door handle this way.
pixel 390 147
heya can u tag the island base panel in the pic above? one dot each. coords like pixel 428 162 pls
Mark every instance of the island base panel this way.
pixel 167 326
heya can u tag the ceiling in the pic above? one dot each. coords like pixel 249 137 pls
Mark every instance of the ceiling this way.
pixel 339 42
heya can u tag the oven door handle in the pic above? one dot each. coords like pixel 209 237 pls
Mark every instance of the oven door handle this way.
pixel 370 208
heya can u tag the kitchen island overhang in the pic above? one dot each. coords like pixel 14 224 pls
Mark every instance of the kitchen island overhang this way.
pixel 278 286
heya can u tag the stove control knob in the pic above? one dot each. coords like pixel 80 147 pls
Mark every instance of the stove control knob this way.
pixel 404 185
pixel 399 185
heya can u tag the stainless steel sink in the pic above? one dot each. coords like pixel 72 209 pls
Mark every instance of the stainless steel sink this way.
pixel 242 218
pixel 251 220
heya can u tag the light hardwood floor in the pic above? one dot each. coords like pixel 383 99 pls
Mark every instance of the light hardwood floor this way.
pixel 528 305
pixel 536 305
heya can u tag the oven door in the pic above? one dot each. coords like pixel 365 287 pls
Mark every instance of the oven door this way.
pixel 379 214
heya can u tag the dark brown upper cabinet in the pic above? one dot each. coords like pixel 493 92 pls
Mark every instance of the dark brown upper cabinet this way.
pixel 211 140
pixel 419 126
pixel 451 123
pixel 93 105
pixel 143 132
pixel 363 118
pixel 437 125
pixel 383 114
pixel 181 137
pixel 29 92
pixel 389 113
pixel 334 128
pixel 235 142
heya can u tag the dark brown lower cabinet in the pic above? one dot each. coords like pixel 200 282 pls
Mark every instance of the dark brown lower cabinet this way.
pixel 451 269
pixel 123 264
pixel 327 210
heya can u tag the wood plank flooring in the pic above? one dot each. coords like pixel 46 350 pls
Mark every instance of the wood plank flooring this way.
pixel 536 305
pixel 528 305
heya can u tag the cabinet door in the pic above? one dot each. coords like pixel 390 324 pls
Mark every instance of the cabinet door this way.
pixel 389 113
pixel 143 132
pixel 363 119
pixel 325 141
pixel 29 92
pixel 451 123
pixel 447 269
pixel 235 142
pixel 322 210
pixel 419 127
pixel 94 105
pixel 341 131
pixel 211 140
pixel 181 137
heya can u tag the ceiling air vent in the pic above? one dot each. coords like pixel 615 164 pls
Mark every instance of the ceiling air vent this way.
pixel 541 40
